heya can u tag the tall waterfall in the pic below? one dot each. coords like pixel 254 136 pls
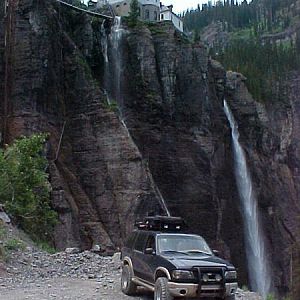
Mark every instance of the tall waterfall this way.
pixel 113 61
pixel 116 41
pixel 258 267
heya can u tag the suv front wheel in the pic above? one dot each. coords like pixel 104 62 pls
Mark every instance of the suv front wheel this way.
pixel 128 286
pixel 161 291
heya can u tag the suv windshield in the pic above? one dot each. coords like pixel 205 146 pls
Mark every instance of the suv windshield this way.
pixel 182 244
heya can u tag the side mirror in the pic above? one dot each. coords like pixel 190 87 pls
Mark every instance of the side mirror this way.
pixel 216 253
pixel 150 251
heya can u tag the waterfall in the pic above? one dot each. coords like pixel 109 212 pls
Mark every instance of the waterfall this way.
pixel 258 267
pixel 113 61
pixel 104 44
pixel 116 38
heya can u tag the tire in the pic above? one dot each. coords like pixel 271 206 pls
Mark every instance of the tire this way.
pixel 127 285
pixel 161 291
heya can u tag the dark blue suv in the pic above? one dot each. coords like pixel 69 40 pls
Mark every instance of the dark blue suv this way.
pixel 158 257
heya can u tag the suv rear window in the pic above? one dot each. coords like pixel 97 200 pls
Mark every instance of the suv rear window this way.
pixel 140 241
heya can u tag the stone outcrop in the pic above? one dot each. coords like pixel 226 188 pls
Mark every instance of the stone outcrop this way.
pixel 215 35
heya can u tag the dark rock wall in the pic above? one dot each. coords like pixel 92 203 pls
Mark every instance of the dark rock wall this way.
pixel 99 180
pixel 2 34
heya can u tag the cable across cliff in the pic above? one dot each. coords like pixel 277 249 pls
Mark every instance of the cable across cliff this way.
pixel 94 14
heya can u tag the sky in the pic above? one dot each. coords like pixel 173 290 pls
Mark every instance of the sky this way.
pixel 182 5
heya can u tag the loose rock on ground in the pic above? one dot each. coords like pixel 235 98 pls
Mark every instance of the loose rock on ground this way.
pixel 37 275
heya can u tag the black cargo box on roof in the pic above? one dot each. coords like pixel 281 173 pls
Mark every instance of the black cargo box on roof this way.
pixel 161 223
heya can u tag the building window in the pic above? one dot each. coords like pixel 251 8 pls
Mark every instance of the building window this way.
pixel 161 16
pixel 155 15
pixel 147 14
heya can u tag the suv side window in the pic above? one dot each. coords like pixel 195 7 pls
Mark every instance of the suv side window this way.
pixel 150 243
pixel 140 241
pixel 130 241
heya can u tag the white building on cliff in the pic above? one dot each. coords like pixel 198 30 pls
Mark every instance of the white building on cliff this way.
pixel 167 14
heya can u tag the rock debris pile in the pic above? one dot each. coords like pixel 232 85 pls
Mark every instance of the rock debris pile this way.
pixel 30 265
pixel 32 274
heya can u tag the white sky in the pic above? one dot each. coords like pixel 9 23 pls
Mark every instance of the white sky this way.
pixel 182 5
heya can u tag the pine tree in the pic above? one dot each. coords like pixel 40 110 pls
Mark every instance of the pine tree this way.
pixel 134 13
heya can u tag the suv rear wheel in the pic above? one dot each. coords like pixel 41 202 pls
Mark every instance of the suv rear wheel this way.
pixel 128 286
pixel 161 291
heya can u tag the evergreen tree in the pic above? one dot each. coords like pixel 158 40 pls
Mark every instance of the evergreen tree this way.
pixel 134 13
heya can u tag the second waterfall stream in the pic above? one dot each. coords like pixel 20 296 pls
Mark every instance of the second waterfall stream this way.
pixel 258 266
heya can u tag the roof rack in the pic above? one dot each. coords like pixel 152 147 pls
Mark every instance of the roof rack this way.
pixel 161 223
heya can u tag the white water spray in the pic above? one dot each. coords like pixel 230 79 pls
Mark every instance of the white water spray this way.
pixel 116 40
pixel 258 267
pixel 104 44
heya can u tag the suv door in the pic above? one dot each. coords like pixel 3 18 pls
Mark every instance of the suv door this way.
pixel 138 254
pixel 150 259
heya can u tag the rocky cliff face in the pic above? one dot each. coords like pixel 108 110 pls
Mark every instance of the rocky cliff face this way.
pixel 2 38
pixel 103 176
pixel 175 115
pixel 99 180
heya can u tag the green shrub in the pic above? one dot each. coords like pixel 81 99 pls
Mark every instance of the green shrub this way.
pixel 14 245
pixel 25 188
pixel 44 246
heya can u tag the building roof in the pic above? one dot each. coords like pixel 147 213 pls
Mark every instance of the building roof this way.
pixel 165 8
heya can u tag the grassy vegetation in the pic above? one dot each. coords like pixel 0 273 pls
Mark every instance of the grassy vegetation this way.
pixel 14 245
pixel 242 34
pixel 112 106
pixel 44 246
pixel 8 244
pixel 155 28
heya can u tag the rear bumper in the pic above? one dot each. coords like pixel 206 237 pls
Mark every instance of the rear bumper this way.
pixel 191 290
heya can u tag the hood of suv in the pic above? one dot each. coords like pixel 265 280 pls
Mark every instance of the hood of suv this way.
pixel 182 261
